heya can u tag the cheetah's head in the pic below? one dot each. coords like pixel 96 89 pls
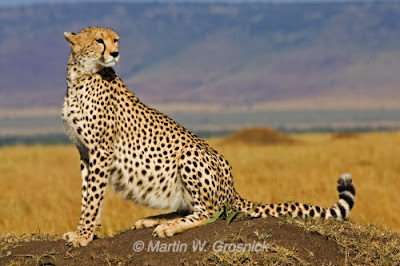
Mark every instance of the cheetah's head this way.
pixel 94 47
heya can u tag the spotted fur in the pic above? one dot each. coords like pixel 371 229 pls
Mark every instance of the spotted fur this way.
pixel 148 157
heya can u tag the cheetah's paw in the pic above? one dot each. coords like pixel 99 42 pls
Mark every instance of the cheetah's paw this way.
pixel 73 239
pixel 145 223
pixel 164 230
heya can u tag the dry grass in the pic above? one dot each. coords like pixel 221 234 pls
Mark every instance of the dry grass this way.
pixel 362 245
pixel 40 185
pixel 41 190
pixel 308 172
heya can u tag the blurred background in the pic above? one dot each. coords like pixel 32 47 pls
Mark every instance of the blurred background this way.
pixel 214 66
pixel 326 69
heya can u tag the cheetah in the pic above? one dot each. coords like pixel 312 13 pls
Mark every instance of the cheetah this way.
pixel 148 157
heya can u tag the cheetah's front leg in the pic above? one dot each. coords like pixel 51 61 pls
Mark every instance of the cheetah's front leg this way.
pixel 93 191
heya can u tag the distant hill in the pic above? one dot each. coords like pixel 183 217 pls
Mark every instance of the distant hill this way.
pixel 277 55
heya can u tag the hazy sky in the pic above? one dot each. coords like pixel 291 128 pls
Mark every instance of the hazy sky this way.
pixel 13 3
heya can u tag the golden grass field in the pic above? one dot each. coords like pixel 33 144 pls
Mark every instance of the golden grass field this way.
pixel 40 185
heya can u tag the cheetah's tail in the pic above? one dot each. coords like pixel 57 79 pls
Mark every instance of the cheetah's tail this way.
pixel 339 211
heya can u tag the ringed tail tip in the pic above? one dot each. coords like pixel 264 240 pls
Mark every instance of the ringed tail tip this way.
pixel 347 192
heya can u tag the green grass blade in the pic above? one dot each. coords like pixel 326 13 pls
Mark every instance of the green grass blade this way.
pixel 230 217
pixel 215 216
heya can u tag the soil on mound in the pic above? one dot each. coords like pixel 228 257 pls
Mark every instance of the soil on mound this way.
pixel 257 241
pixel 258 136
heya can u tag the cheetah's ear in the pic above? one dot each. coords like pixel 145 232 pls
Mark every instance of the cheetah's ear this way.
pixel 70 37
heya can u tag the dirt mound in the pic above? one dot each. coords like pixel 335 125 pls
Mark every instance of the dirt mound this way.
pixel 248 241
pixel 344 135
pixel 258 136
pixel 267 241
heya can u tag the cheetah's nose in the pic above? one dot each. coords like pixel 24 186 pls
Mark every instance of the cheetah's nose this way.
pixel 114 54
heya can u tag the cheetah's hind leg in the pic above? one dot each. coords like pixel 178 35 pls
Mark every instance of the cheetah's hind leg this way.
pixel 152 221
pixel 179 225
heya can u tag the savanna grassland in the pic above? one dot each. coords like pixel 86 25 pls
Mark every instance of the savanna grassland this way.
pixel 40 185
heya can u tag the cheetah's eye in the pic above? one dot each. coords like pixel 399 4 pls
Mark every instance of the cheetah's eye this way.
pixel 116 40
pixel 100 41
